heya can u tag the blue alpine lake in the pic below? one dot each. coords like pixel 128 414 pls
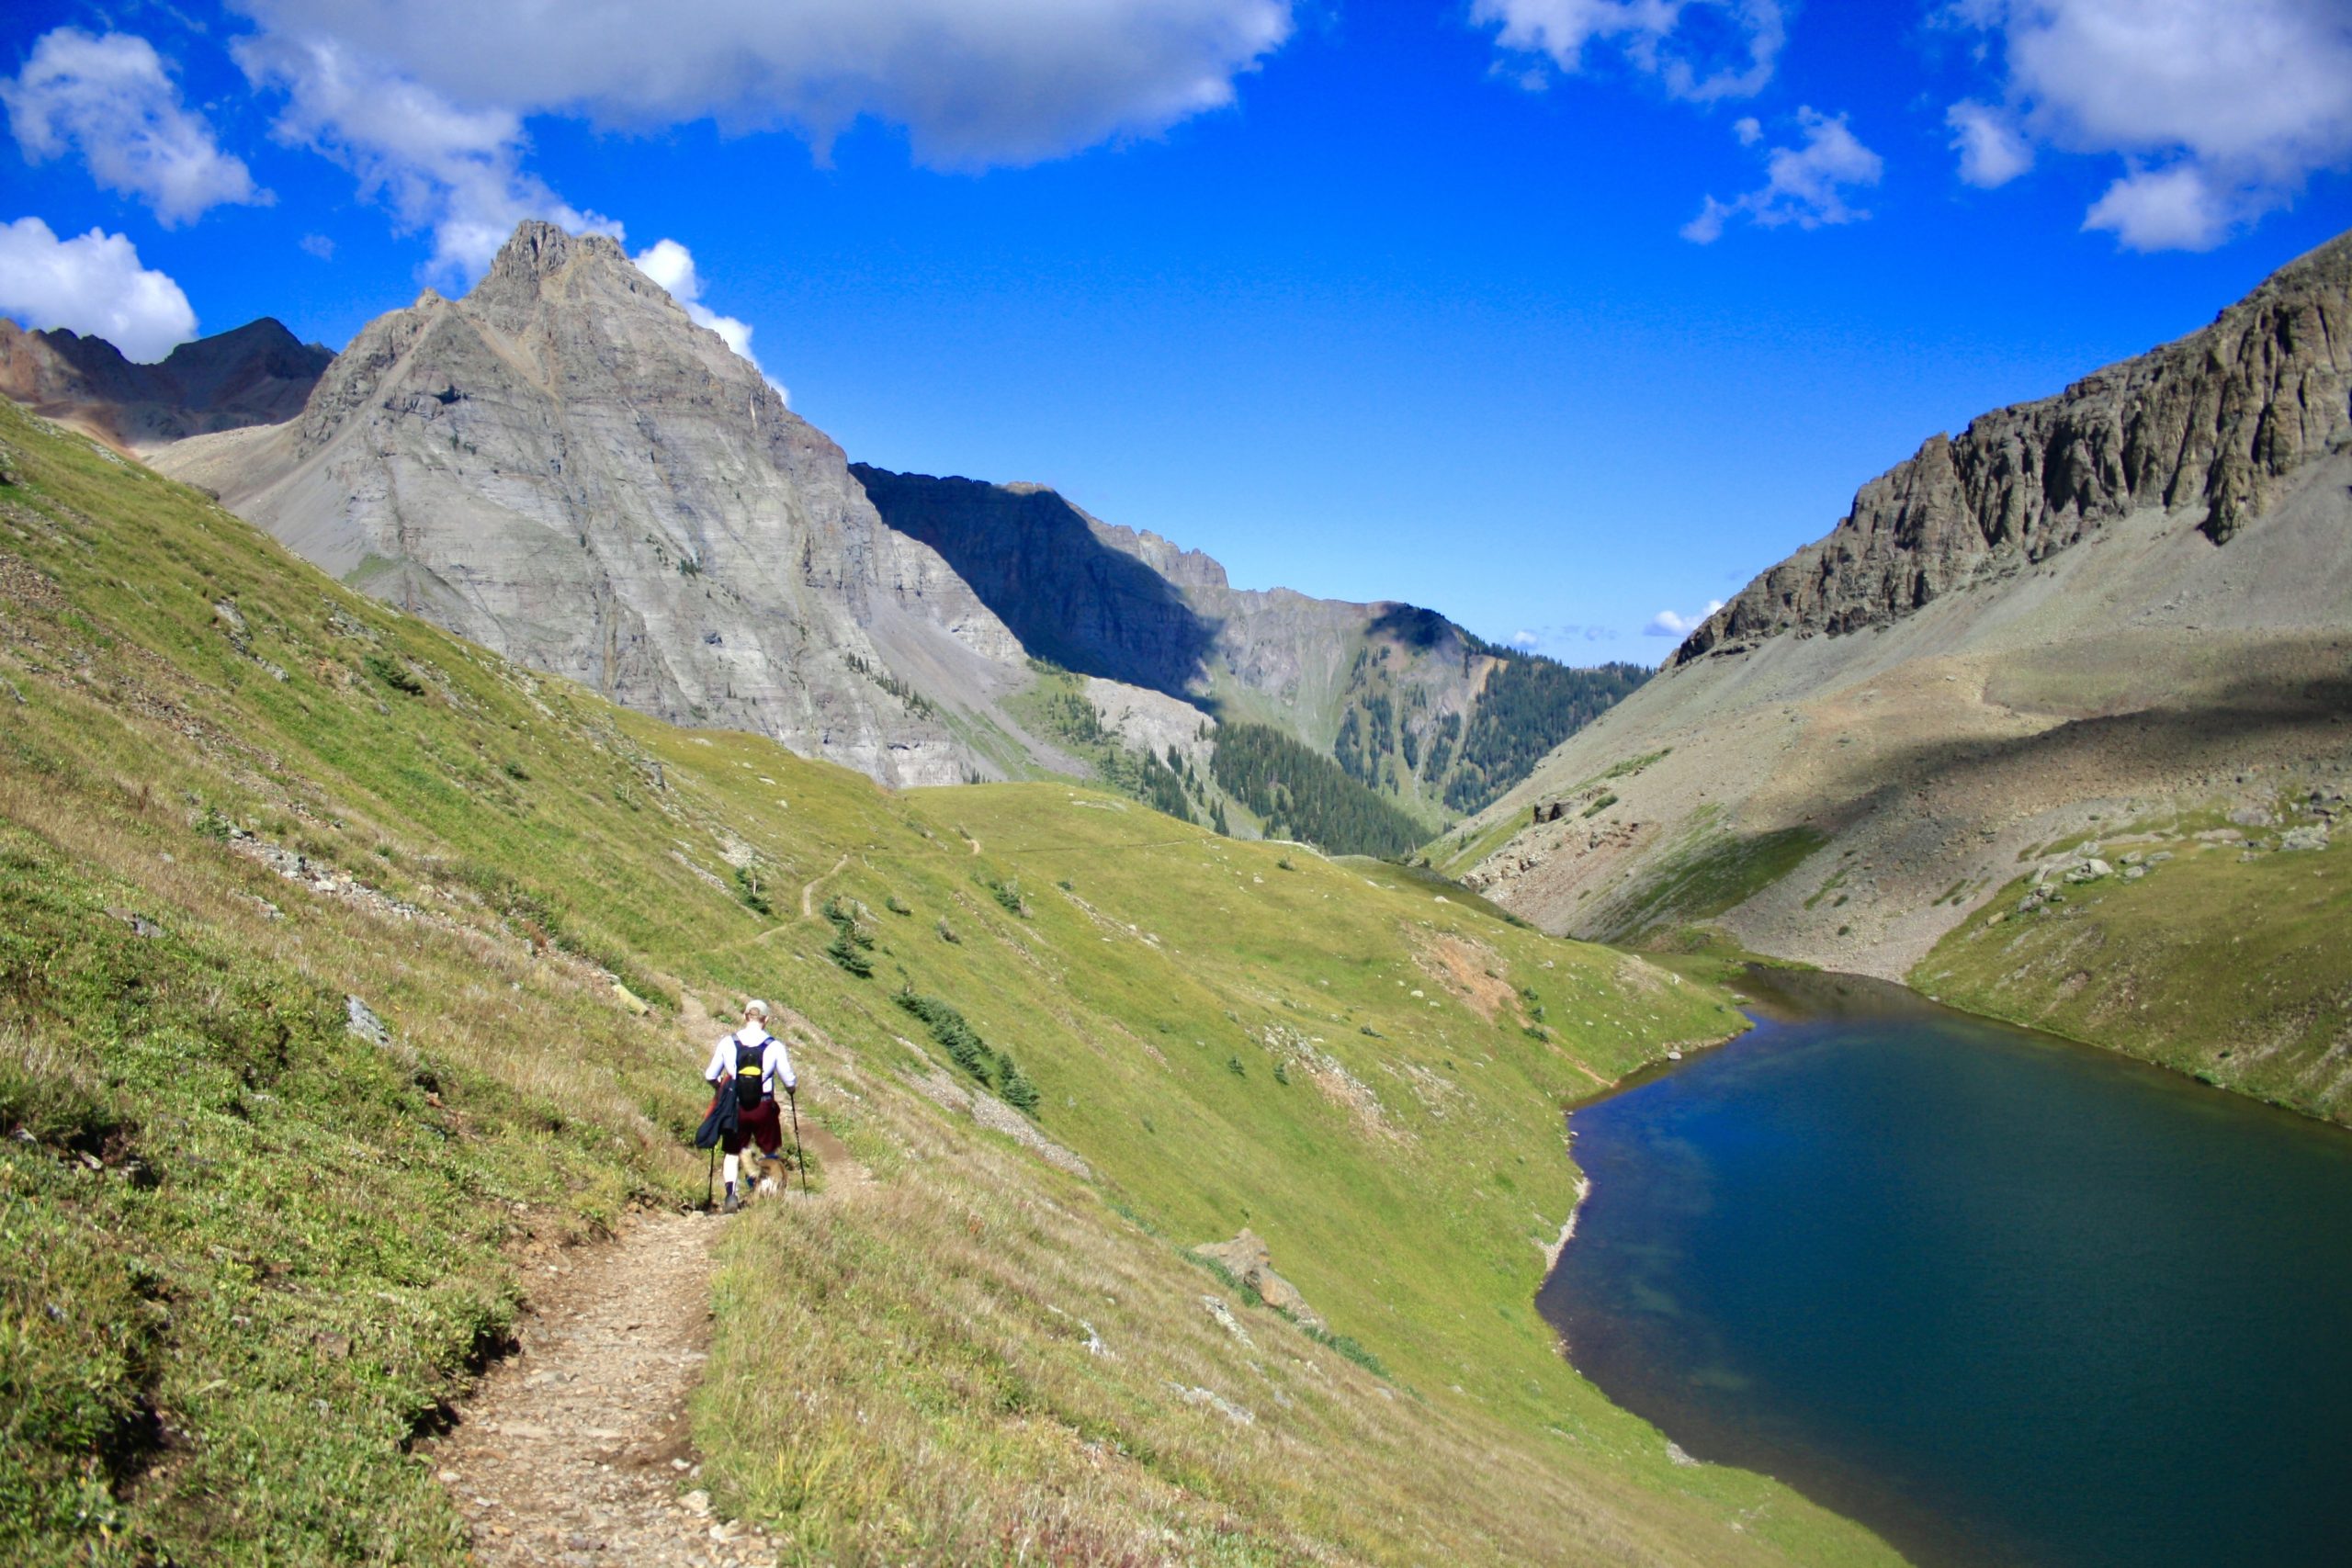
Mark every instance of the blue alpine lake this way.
pixel 2002 1298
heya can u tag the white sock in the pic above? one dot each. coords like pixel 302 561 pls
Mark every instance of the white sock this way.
pixel 731 1166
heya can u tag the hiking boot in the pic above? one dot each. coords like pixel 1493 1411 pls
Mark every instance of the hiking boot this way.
pixel 728 1204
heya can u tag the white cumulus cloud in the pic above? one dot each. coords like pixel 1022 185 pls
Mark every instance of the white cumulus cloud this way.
pixel 1805 183
pixel 1992 152
pixel 455 172
pixel 2220 109
pixel 1699 50
pixel 974 81
pixel 1667 623
pixel 672 265
pixel 109 99
pixel 2174 208
pixel 94 284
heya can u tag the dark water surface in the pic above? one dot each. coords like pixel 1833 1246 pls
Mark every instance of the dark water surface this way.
pixel 2001 1297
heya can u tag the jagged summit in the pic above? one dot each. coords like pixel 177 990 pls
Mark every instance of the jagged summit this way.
pixel 540 249
pixel 564 467
pixel 2209 426
pixel 540 259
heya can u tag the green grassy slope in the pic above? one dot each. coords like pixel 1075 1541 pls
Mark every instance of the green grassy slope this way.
pixel 2232 969
pixel 219 1328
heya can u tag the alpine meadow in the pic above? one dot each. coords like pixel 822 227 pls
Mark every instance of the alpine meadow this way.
pixel 425 946
pixel 1146 782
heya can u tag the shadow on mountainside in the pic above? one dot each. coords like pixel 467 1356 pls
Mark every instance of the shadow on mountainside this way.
pixel 2201 742
pixel 1066 594
pixel 1417 628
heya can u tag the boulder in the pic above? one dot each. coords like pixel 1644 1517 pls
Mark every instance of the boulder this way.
pixel 1247 1258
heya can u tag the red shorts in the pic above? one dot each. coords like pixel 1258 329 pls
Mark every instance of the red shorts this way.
pixel 762 1124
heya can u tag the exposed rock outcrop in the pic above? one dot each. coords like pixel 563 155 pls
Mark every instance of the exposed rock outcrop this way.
pixel 2212 423
pixel 258 374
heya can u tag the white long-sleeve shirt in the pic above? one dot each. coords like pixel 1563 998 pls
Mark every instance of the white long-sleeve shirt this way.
pixel 776 1062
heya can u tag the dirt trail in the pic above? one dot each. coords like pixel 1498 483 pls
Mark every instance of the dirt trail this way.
pixel 808 891
pixel 575 1450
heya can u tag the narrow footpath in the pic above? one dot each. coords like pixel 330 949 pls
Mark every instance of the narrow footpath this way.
pixel 575 1450
pixel 809 889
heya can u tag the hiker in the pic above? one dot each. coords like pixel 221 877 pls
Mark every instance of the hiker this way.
pixel 750 1063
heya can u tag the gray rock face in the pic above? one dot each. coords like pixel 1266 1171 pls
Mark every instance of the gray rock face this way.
pixel 563 467
pixel 258 374
pixel 1052 576
pixel 2212 423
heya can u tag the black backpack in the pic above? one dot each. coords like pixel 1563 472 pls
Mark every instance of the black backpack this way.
pixel 749 1085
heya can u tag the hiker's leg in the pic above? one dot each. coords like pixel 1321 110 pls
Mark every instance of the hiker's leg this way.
pixel 732 1142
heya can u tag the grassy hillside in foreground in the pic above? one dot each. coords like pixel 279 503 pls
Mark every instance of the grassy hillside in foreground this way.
pixel 2224 960
pixel 245 1252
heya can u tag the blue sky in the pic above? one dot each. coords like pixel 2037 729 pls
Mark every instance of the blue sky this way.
pixel 1556 315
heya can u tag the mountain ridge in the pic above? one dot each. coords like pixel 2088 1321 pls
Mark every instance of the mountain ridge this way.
pixel 256 374
pixel 563 466
pixel 2211 423
pixel 1843 773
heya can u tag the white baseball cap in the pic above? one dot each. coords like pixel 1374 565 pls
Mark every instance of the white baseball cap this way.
pixel 757 1005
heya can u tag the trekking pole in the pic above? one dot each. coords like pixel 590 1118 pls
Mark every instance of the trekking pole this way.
pixel 792 1098
pixel 708 1176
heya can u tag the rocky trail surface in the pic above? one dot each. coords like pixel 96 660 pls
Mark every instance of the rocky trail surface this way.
pixel 575 1450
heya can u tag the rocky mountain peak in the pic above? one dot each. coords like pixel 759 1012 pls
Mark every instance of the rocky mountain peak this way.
pixel 538 250
pixel 564 467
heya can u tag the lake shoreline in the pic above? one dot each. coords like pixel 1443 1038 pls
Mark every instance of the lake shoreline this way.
pixel 1900 1256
